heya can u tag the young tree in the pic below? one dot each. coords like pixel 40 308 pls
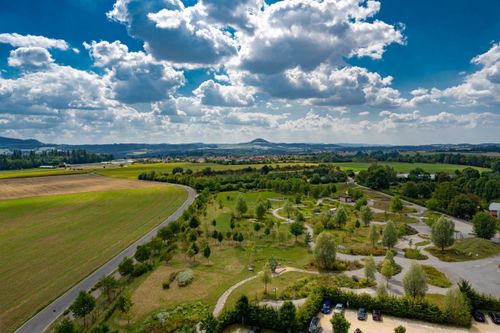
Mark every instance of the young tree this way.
pixel 156 244
pixel 340 217
pixel 414 281
pixel 266 278
pixel 456 305
pixel 287 316
pixel 339 323
pixel 370 268
pixel 325 251
pixel 382 291
pixel 484 225
pixel 288 208
pixel 387 270
pixel 260 210
pixel 396 204
pixel 373 235
pixel 308 238
pixel 207 252
pixel 126 267
pixel 366 215
pixel 166 234
pixel 108 286
pixel 83 304
pixel 442 232
pixel 272 264
pixel 124 305
pixel 297 229
pixel 143 253
pixel 241 205
pixel 390 235
pixel 209 323
pixel 220 238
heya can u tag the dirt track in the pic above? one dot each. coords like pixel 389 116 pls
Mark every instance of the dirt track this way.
pixel 37 186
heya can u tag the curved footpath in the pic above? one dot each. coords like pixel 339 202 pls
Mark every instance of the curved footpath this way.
pixel 45 317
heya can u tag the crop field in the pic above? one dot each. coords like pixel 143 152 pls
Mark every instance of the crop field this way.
pixel 36 172
pixel 407 167
pixel 133 170
pixel 48 243
pixel 35 186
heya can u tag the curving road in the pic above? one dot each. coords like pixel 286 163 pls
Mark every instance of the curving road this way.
pixel 43 319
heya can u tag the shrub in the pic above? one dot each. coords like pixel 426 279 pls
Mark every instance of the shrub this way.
pixel 400 329
pixel 166 285
pixel 184 278
pixel 414 254
pixel 140 268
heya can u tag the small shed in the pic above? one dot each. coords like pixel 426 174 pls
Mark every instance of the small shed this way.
pixel 345 198
pixel 495 209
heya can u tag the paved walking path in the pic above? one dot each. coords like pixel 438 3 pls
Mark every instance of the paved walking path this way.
pixel 45 317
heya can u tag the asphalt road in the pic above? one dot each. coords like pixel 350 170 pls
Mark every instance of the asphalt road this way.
pixel 43 319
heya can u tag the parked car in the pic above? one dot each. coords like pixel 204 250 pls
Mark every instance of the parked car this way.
pixel 339 308
pixel 495 317
pixel 361 314
pixel 314 326
pixel 376 315
pixel 357 330
pixel 478 316
pixel 327 307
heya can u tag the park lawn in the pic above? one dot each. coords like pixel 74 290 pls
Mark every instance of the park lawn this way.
pixel 37 172
pixel 407 167
pixel 134 170
pixel 466 249
pixel 436 277
pixel 255 289
pixel 49 243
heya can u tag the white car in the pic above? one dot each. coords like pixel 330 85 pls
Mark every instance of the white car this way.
pixel 339 308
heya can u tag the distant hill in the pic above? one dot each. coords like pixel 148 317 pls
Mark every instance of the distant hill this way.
pixel 254 147
pixel 10 143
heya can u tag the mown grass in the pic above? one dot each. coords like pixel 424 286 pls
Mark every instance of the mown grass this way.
pixel 435 277
pixel 5 174
pixel 407 167
pixel 467 249
pixel 51 242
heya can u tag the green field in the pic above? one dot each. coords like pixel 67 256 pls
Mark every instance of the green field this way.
pixel 4 174
pixel 49 243
pixel 407 167
pixel 133 170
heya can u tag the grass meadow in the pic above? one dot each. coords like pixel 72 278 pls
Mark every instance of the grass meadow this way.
pixel 407 167
pixel 49 243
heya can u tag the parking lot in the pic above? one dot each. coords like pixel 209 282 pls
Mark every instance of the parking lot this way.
pixel 388 324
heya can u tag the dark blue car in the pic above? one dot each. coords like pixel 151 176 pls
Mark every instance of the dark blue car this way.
pixel 327 307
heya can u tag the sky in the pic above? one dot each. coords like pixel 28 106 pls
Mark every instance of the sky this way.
pixel 226 71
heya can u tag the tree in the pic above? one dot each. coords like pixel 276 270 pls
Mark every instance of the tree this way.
pixel 108 285
pixel 414 281
pixel 126 267
pixel 156 244
pixel 325 251
pixel 220 237
pixel 83 304
pixel 124 305
pixel 288 208
pixel 382 291
pixel 260 210
pixel 484 225
pixel 456 305
pixel 241 205
pixel 194 222
pixel 400 329
pixel 272 263
pixel 287 316
pixel 207 252
pixel 65 326
pixel 143 253
pixel 165 233
pixel 266 278
pixel 366 215
pixel 308 239
pixel 209 323
pixel 297 229
pixel 442 232
pixel 462 206
pixel 370 268
pixel 340 217
pixel 373 235
pixel 390 235
pixel 242 308
pixel 387 270
pixel 339 323
pixel 410 189
pixel 396 204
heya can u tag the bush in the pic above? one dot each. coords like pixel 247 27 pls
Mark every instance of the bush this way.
pixel 166 285
pixel 140 268
pixel 478 300
pixel 184 278
pixel 414 254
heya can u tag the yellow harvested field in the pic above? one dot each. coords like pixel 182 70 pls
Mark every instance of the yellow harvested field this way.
pixel 37 186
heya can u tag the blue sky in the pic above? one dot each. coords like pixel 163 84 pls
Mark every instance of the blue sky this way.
pixel 389 71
